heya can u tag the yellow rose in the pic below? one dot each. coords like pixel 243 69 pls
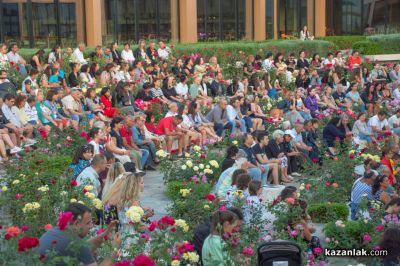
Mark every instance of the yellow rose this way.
pixel 184 192
pixel 4 188
pixel 88 187
pixel 206 207
pixel 182 224
pixel 189 164
pixel 195 168
pixel 183 167
pixel 196 148
pixel 89 195
pixel 97 203
pixel 175 263
pixel 201 166
pixel 73 200
pixel 235 142
pixel 15 182
pixel 43 188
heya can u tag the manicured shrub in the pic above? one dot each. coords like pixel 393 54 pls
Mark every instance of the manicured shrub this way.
pixel 368 47
pixel 389 43
pixel 325 212
pixel 343 42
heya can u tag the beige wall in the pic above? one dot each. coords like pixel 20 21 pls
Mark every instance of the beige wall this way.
pixel 174 21
pixel 259 20
pixel 249 19
pixel 320 18
pixel 93 23
pixel 188 21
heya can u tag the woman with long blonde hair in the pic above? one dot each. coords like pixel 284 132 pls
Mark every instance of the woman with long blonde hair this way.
pixel 116 170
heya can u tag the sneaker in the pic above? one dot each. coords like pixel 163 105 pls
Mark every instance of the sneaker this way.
pixel 29 142
pixel 295 174
pixel 15 150
pixel 150 168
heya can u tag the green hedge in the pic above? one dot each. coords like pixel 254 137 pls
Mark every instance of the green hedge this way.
pixel 343 42
pixel 379 44
pixel 227 49
pixel 274 46
pixel 389 42
pixel 368 47
pixel 324 213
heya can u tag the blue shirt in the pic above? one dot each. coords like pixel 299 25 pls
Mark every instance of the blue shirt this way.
pixel 358 191
pixel 251 157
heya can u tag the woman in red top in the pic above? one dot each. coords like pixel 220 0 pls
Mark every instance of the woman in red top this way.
pixel 385 160
pixel 105 99
pixel 150 125
pixel 354 60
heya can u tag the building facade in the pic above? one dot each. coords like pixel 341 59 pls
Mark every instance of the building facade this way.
pixel 44 23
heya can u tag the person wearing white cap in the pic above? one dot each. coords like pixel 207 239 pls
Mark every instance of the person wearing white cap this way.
pixel 291 153
pixel 274 151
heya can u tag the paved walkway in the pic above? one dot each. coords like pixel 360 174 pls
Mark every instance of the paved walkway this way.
pixel 154 194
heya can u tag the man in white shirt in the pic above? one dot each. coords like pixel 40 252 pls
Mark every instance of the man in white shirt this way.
pixel 3 55
pixel 19 129
pixel 73 106
pixel 233 115
pixel 90 175
pixel 182 87
pixel 298 139
pixel 16 59
pixel 268 63
pixel 163 51
pixel 394 122
pixel 78 54
pixel 379 123
pixel 173 109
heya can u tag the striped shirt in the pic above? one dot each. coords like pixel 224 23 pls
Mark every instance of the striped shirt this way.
pixel 157 92
pixel 359 189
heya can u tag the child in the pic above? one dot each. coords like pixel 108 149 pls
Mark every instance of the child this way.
pixel 223 223
pixel 255 208
pixel 241 192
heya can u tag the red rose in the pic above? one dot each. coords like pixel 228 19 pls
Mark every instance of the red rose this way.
pixel 18 196
pixel 167 220
pixel 83 134
pixel 100 231
pixel 351 156
pixel 308 186
pixel 314 160
pixel 7 236
pixel 379 228
pixel 39 162
pixel 211 197
pixel 64 219
pixel 387 133
pixel 173 230
pixel 152 226
pixel 73 183
pixel 143 260
pixel 24 228
pixel 26 243
pixel 42 257
pixel 203 156
pixel 327 184
pixel 123 263
pixel 185 247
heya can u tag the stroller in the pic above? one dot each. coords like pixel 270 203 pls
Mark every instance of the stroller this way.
pixel 279 253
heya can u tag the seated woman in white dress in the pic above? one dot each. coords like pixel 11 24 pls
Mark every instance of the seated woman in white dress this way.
pixel 305 34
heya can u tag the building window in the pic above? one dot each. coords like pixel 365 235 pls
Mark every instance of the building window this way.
pixel 67 24
pixel 10 23
pixel 131 20
pixel 381 16
pixel 344 17
pixel 269 13
pixel 220 19
pixel 292 16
